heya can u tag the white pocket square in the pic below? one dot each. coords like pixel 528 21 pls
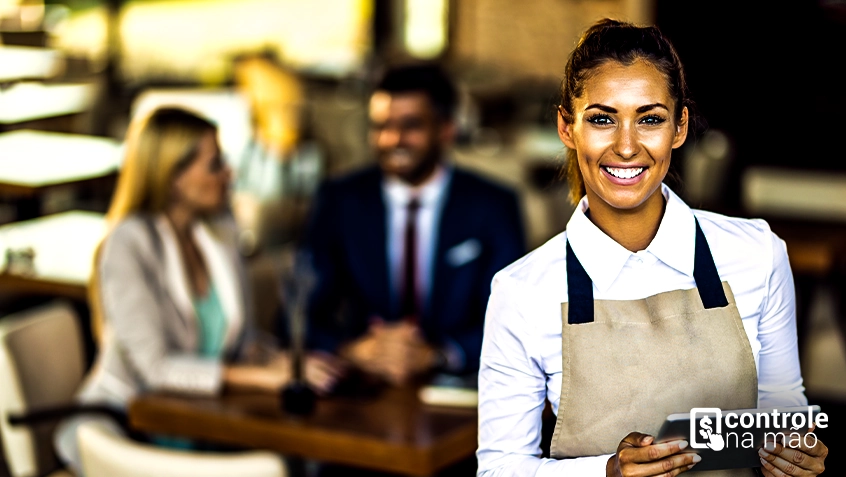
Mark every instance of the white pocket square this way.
pixel 465 252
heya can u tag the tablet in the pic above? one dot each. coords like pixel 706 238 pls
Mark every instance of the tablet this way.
pixel 730 439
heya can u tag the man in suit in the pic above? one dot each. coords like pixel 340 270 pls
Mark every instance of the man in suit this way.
pixel 404 252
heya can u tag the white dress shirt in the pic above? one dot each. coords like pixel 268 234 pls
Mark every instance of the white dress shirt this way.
pixel 431 195
pixel 521 353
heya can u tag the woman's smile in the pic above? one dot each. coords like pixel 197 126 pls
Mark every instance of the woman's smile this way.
pixel 624 131
pixel 624 175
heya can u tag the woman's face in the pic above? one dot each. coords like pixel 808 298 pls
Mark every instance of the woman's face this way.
pixel 624 131
pixel 203 186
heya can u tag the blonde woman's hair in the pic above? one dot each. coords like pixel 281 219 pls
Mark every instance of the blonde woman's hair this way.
pixel 158 147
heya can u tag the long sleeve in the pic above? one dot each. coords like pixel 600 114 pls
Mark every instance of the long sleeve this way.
pixel 130 307
pixel 779 374
pixel 512 392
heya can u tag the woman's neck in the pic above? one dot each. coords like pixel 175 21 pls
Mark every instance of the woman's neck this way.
pixel 634 229
pixel 181 219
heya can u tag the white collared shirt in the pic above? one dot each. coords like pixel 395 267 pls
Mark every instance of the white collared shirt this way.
pixel 397 195
pixel 521 354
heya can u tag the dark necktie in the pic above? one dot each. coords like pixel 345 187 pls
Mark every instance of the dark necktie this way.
pixel 409 305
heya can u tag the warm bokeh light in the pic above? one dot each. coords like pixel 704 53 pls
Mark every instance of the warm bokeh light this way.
pixel 37 158
pixel 27 62
pixel 197 40
pixel 29 101
pixel 426 27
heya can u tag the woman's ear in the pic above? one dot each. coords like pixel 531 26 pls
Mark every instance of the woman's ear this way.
pixel 565 131
pixel 681 129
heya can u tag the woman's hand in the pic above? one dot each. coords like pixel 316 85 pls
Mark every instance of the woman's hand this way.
pixel 322 371
pixel 261 378
pixel 780 461
pixel 638 456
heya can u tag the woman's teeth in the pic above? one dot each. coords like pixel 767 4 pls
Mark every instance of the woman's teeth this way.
pixel 624 173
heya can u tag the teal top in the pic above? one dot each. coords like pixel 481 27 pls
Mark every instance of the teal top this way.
pixel 212 324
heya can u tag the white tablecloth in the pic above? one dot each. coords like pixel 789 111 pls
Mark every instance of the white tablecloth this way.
pixel 64 244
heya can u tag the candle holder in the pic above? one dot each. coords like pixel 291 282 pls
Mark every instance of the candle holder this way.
pixel 297 397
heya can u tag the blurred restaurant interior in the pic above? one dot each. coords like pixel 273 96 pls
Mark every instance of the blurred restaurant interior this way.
pixel 294 77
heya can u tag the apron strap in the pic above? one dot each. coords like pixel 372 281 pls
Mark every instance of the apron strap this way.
pixel 580 286
pixel 708 281
pixel 579 289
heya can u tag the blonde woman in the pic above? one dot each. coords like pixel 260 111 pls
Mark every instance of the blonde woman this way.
pixel 169 287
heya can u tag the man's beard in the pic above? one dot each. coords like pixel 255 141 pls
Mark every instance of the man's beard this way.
pixel 423 168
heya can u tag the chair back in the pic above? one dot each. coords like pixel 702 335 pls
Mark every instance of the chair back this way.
pixel 105 454
pixel 42 364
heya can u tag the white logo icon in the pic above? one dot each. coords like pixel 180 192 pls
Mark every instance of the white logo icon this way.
pixel 709 438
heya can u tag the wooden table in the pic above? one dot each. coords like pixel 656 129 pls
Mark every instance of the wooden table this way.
pixel 393 432
pixel 64 246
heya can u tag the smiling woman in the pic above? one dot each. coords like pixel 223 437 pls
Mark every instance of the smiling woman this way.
pixel 643 307
pixel 622 131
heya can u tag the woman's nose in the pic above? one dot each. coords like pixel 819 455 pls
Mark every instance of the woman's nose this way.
pixel 626 144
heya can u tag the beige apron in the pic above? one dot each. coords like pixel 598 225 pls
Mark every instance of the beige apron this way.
pixel 627 365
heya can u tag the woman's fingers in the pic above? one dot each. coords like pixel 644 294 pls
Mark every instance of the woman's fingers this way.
pixel 636 439
pixel 803 461
pixel 651 453
pixel 323 371
pixel 781 468
pixel 327 363
pixel 319 380
pixel 672 465
pixel 668 466
pixel 638 455
pixel 818 449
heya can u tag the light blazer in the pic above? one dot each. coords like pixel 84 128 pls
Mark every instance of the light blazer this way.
pixel 150 332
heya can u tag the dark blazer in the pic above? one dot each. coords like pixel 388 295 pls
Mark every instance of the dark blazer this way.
pixel 480 232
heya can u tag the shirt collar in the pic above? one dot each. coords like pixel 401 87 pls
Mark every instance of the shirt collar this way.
pixel 400 193
pixel 604 259
pixel 675 242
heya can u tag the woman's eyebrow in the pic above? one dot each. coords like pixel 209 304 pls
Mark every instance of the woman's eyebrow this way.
pixel 641 109
pixel 601 107
pixel 648 107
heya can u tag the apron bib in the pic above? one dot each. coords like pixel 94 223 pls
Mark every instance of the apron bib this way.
pixel 627 365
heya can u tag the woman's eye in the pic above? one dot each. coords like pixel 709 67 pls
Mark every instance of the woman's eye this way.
pixel 652 120
pixel 600 119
